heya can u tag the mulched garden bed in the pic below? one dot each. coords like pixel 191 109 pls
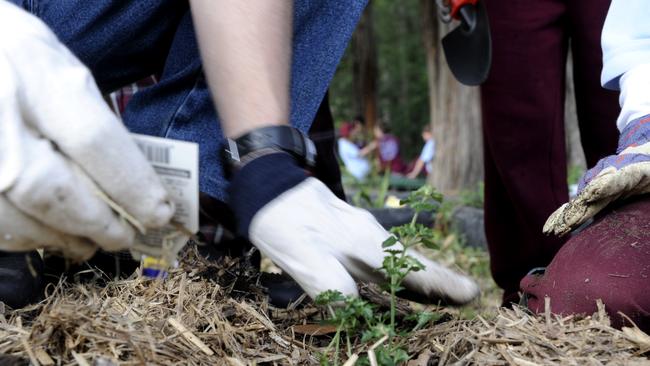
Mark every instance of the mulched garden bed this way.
pixel 203 314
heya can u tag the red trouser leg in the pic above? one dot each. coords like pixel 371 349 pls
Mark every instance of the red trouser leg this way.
pixel 609 260
pixel 523 118
pixel 523 125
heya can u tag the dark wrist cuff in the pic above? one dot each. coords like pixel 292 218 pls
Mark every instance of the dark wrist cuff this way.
pixel 259 182
pixel 268 140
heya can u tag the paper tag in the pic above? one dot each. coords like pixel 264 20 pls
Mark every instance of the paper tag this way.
pixel 177 165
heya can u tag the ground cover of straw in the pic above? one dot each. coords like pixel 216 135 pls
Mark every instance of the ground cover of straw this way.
pixel 204 314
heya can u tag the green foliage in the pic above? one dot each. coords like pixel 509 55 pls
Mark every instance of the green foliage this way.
pixel 425 198
pixel 473 198
pixel 424 318
pixel 402 75
pixel 375 182
pixel 574 173
pixel 353 315
pixel 416 234
pixel 389 357
pixel 361 324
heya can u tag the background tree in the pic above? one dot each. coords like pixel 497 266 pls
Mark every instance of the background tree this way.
pixel 395 71
pixel 401 84
pixel 455 114
pixel 364 67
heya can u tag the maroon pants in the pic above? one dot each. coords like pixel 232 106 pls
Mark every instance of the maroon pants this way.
pixel 609 260
pixel 523 123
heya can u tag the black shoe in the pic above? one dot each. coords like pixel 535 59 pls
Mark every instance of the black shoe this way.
pixel 282 290
pixel 99 269
pixel 21 278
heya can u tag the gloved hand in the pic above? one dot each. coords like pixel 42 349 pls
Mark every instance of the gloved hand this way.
pixel 324 243
pixel 59 144
pixel 617 176
pixel 321 241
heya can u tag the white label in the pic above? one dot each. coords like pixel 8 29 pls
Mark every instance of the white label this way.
pixel 177 165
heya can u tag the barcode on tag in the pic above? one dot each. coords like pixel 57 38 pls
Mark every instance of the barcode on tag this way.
pixel 177 166
pixel 155 153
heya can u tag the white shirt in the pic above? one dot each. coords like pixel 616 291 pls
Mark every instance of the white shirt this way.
pixel 626 57
pixel 428 153
pixel 354 163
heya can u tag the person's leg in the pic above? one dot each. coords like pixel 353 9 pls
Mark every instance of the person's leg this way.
pixel 597 107
pixel 609 260
pixel 523 126
pixel 327 166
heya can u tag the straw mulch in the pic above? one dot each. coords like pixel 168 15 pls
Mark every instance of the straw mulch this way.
pixel 187 319
pixel 515 337
pixel 203 315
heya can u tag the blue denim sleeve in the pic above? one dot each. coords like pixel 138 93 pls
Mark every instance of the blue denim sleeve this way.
pixel 122 41
pixel 180 106
pixel 625 39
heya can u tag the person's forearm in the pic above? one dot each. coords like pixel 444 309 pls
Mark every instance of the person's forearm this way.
pixel 419 164
pixel 369 148
pixel 246 52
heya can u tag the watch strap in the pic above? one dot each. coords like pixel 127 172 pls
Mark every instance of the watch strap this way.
pixel 270 139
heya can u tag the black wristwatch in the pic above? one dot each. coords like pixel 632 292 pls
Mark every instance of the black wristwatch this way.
pixel 268 140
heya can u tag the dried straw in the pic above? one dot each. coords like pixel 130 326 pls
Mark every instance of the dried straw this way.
pixel 187 319
pixel 516 337
pixel 201 315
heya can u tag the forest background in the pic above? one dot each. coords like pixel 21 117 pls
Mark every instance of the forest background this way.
pixel 394 71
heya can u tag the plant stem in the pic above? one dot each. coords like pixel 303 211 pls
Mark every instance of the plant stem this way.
pixel 414 220
pixel 337 336
pixel 392 305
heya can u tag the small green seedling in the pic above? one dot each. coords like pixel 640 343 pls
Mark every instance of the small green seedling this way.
pixel 353 316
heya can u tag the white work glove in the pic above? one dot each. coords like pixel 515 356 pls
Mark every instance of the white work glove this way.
pixel 58 142
pixel 619 176
pixel 325 244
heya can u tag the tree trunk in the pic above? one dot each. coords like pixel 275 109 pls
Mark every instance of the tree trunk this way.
pixel 455 115
pixel 575 154
pixel 404 31
pixel 365 67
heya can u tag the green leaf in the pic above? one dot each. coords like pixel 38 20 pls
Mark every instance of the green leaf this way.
pixel 329 297
pixel 389 242
pixel 424 318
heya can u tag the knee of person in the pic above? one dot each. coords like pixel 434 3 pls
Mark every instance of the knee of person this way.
pixel 619 296
pixel 569 291
pixel 627 303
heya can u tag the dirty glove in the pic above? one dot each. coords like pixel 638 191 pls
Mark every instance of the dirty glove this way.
pixel 617 176
pixel 321 241
pixel 59 145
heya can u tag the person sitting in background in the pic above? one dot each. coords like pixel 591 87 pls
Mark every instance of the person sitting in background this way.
pixel 349 153
pixel 425 160
pixel 387 146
